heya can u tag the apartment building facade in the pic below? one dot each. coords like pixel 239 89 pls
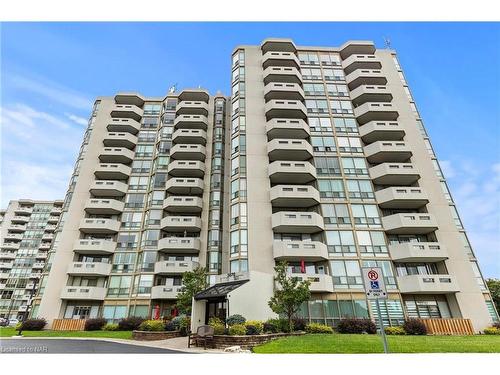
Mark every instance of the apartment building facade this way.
pixel 26 231
pixel 319 157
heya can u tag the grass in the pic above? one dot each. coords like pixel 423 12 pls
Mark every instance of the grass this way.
pixel 352 344
pixel 10 331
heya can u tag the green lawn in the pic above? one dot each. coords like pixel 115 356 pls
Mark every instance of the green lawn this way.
pixel 338 343
pixel 9 331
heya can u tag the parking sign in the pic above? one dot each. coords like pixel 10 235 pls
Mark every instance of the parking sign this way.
pixel 374 283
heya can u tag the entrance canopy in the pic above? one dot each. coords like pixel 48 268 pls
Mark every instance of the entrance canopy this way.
pixel 219 290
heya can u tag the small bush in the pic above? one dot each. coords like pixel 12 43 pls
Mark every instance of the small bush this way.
pixel 277 325
pixel 152 325
pixel 270 327
pixel 496 325
pixel 235 319
pixel 414 327
pixel 34 324
pixel 177 321
pixel 492 331
pixel 219 329
pixel 95 324
pixel 254 327
pixel 130 324
pixel 185 322
pixel 215 320
pixel 299 324
pixel 318 328
pixel 394 331
pixel 237 330
pixel 356 326
pixel 169 326
pixel 110 327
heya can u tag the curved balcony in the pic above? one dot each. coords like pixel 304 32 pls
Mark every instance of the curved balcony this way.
pixel 418 252
pixel 96 293
pixel 129 98
pixel 287 128
pixel 401 197
pixel 191 136
pixel 358 47
pixel 191 122
pixel 375 112
pixel 23 210
pixel 370 93
pixel 6 265
pixel 289 149
pixel 11 245
pixel 399 174
pixel 409 223
pixel 104 206
pixel 116 155
pixel 126 111
pixel 16 228
pixel 8 256
pixel 165 291
pixel 387 151
pixel 107 171
pixel 278 44
pixel 282 90
pixel 179 245
pixel 381 131
pixel 427 284
pixel 360 61
pixel 20 219
pixel 192 107
pixel 14 236
pixel 320 283
pixel 309 251
pixel 279 58
pixel 128 125
pixel 199 95
pixel 294 196
pixel 290 172
pixel 108 188
pixel 286 74
pixel 184 186
pixel 365 77
pixel 285 109
pixel 89 269
pixel 181 224
pixel 166 267
pixel 297 222
pixel 45 246
pixel 120 139
pixel 188 152
pixel 189 204
pixel 98 226
pixel 94 246
pixel 186 168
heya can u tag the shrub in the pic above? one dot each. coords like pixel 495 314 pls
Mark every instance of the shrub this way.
pixel 496 325
pixel 254 327
pixel 95 324
pixel 394 331
pixel 356 326
pixel 277 325
pixel 169 326
pixel 269 327
pixel 215 320
pixel 130 324
pixel 414 327
pixel 178 320
pixel 237 330
pixel 299 324
pixel 318 328
pixel 110 327
pixel 152 325
pixel 33 324
pixel 492 331
pixel 219 329
pixel 235 319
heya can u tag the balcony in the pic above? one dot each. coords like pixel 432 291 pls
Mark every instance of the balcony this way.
pixel 11 245
pixel 192 108
pixel 189 204
pixel 41 256
pixel 194 94
pixel 289 149
pixel 96 293
pixel 278 44
pixel 38 265
pixel 35 275
pixel 128 125
pixel 181 224
pixel 358 61
pixel 284 74
pixel 319 283
pixel 6 265
pixel 285 109
pixel 116 155
pixel 366 93
pixel 313 251
pixel 394 174
pixel 188 152
pixel 286 91
pixel 179 245
pixel 53 219
pixel 290 172
pixel 418 252
pixel 287 128
pixel 294 196
pixel 13 236
pixel 104 207
pixel 7 256
pixel 20 219
pixel 278 58
pixel 89 269
pixel 44 246
pixel 358 47
pixel 30 286
pixel 401 197
pixel 48 236
pixel 297 222
pixel 98 226
pixel 381 131
pixel 108 188
pixel 16 228
pixel 365 77
pixel 129 98
pixel 4 275
pixel 112 172
pixel 50 228
pixel 427 284
pixel 174 267
pixel 126 140
pixel 129 111
pixel 23 210
pixel 410 223
pixel 191 136
pixel 94 246
pixel 165 291
pixel 387 151
pixel 191 122
pixel 186 168
pixel 184 186
pixel 375 112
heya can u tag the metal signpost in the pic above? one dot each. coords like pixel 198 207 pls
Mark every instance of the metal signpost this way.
pixel 375 290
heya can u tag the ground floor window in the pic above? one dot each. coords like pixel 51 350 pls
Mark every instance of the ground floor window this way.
pixel 331 311
pixel 81 311
pixel 139 310
pixel 427 307
pixel 113 313
pixel 491 310
pixel 391 311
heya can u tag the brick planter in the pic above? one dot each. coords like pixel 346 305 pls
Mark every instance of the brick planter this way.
pixel 247 342
pixel 151 335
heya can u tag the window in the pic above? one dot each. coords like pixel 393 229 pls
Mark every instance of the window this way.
pixel 238 188
pixel 114 313
pixel 314 89
pixel 329 59
pixel 138 183
pixel 143 151
pixel 346 274
pixel 479 277
pixel 333 74
pixel 142 166
pixel 238 243
pixel 311 74
pixel 143 285
pixel 337 90
pixel 320 124
pixel 131 219
pixel 427 307
pixel 316 106
pixel 345 125
pixel 404 269
pixel 327 166
pixel 360 189
pixel 119 286
pixel 354 166
pixel 492 311
pixel 134 200
pixel 124 262
pixel 385 265
pixel 366 215
pixel 152 109
pixel 331 189
pixel 126 241
pixel 341 106
pixel 240 265
pixel 323 144
pixel 391 311
pixel 336 214
pixel 351 144
pixel 146 136
pixel 308 58
pixel 340 242
pixel 371 243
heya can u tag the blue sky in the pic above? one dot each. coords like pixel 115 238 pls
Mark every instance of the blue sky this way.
pixel 50 73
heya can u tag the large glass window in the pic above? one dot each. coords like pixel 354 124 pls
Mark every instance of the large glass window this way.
pixel 323 144
pixel 360 189
pixel 346 274
pixel 327 166
pixel 340 242
pixel 345 125
pixel 350 144
pixel 354 166
pixel 119 286
pixel 371 243
pixel 366 215
pixel 336 214
pixel 341 106
pixel 331 189
pixel 320 124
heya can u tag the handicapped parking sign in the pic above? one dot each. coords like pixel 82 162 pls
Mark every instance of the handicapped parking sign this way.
pixel 374 283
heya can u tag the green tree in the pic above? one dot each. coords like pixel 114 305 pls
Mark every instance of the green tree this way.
pixel 193 282
pixel 289 294
pixel 494 287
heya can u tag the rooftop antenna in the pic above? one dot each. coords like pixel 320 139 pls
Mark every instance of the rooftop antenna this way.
pixel 172 88
pixel 387 42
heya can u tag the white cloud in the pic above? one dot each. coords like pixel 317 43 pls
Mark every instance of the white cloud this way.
pixel 447 168
pixel 77 119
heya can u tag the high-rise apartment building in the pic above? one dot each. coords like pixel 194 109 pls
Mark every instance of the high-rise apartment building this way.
pixel 319 157
pixel 26 231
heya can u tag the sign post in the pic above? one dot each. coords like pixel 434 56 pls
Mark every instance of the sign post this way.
pixel 375 290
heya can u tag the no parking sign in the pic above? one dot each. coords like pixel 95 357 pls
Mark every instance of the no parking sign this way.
pixel 374 283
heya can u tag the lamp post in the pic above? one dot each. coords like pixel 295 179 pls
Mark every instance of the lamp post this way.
pixel 28 308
